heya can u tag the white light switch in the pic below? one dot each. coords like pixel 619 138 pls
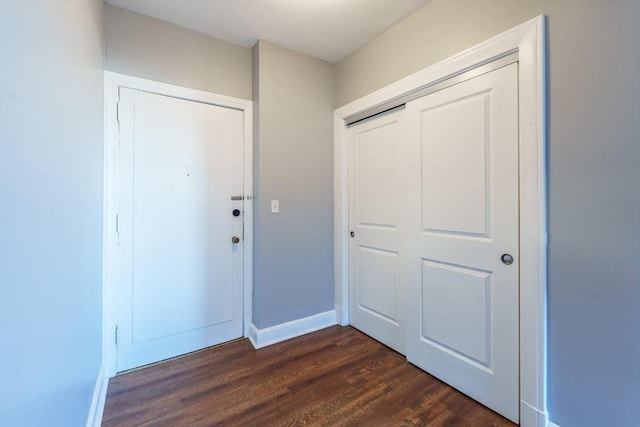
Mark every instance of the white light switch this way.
pixel 275 206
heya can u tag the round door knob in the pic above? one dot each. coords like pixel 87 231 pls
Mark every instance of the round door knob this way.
pixel 507 259
pixel 235 239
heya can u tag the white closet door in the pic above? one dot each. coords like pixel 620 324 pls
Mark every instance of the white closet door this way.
pixel 180 275
pixel 376 298
pixel 460 165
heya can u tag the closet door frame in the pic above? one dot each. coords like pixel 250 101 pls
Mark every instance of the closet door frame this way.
pixel 528 41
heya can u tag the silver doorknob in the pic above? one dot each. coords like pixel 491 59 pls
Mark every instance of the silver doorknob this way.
pixel 235 239
pixel 507 259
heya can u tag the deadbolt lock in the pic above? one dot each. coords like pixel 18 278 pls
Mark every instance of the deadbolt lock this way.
pixel 235 239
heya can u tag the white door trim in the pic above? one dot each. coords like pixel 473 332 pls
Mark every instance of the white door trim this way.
pixel 113 82
pixel 528 40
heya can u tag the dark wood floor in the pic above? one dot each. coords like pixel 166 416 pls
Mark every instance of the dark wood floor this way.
pixel 333 377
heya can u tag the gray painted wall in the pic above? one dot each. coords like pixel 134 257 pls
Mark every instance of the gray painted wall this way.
pixel 594 192
pixel 51 89
pixel 293 250
pixel 141 46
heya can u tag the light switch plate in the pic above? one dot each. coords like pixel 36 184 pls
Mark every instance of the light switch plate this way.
pixel 275 206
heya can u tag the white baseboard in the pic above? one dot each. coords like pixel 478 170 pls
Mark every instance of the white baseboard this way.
pixel 552 424
pixel 275 334
pixel 99 397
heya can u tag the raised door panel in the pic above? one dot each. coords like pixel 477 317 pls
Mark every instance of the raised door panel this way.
pixel 455 169
pixel 377 284
pixel 456 311
pixel 375 161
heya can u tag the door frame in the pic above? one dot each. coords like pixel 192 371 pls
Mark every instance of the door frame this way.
pixel 112 84
pixel 528 40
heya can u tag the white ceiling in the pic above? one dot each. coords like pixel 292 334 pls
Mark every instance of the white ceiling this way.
pixel 325 29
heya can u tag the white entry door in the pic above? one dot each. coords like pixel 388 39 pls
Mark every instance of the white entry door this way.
pixel 180 274
pixel 376 296
pixel 461 163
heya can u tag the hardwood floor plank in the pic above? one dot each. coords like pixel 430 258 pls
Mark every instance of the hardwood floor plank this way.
pixel 334 377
